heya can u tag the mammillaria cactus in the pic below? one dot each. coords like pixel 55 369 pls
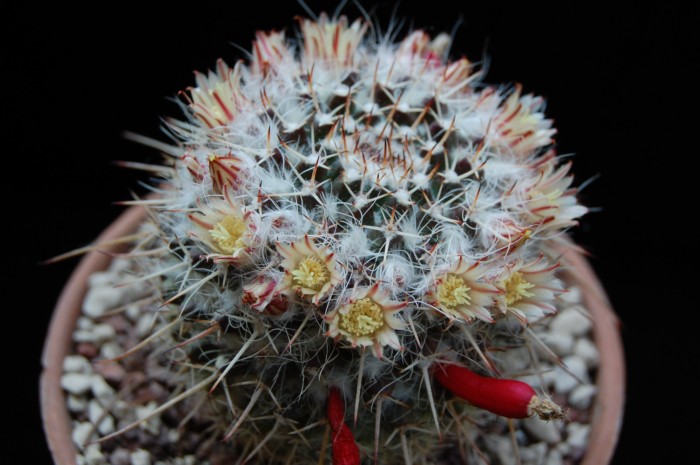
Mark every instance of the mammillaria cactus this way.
pixel 344 221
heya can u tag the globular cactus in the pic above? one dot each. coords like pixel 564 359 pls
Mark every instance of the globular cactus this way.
pixel 342 216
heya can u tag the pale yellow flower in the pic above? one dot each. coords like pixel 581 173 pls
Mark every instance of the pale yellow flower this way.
pixel 309 270
pixel 461 292
pixel 227 230
pixel 368 319
pixel 528 290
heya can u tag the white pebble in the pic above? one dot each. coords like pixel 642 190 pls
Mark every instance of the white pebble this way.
pixel 76 383
pixel 84 335
pixel 554 458
pixel 99 300
pixel 103 279
pixel 121 409
pixel 564 448
pixel 103 391
pixel 173 436
pixel 571 321
pixel 76 404
pixel 94 456
pixel 547 431
pixel 561 344
pixel 564 381
pixel 534 453
pixel 77 364
pixel 144 326
pixel 140 457
pixel 120 456
pixel 586 349
pixel 577 435
pixel 110 350
pixel 502 447
pixel 85 323
pixel 133 312
pixel 104 332
pixel 98 416
pixel 582 396
pixel 153 424
pixel 81 434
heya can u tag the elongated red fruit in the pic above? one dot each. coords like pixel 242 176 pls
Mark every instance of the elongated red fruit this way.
pixel 506 397
pixel 343 445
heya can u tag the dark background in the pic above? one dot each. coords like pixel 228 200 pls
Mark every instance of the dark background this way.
pixel 617 83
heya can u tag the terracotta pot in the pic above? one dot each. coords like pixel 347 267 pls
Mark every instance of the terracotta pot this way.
pixel 607 415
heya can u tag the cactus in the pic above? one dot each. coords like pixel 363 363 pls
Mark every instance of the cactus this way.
pixel 342 214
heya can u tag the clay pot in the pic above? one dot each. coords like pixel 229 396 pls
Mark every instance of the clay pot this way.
pixel 608 409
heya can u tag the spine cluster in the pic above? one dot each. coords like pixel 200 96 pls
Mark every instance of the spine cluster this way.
pixel 342 213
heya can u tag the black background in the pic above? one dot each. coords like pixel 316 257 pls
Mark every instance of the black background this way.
pixel 617 84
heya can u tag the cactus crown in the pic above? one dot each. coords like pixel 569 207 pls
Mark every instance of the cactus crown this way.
pixel 345 211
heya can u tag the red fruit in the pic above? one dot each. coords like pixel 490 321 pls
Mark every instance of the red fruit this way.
pixel 506 397
pixel 344 448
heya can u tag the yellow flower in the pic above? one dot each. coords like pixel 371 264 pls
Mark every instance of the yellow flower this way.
pixel 227 230
pixel 528 290
pixel 309 270
pixel 369 319
pixel 461 292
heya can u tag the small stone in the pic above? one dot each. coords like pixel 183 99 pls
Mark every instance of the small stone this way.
pixel 86 349
pixel 79 459
pixel 547 431
pixel 554 458
pixel 120 456
pixel 84 323
pixel 564 448
pixel 76 383
pixel 103 278
pixel 98 416
pixel 582 396
pixel 81 434
pixel 502 448
pixel 110 350
pixel 76 404
pixel 133 312
pixel 104 332
pixel 76 364
pixel 561 344
pixel 111 371
pixel 571 321
pixel 140 457
pixel 564 381
pixel 586 349
pixel 121 409
pixel 84 335
pixel 577 435
pixel 103 391
pixel 534 453
pixel 94 456
pixel 144 326
pixel 173 436
pixel 154 423
pixel 100 299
